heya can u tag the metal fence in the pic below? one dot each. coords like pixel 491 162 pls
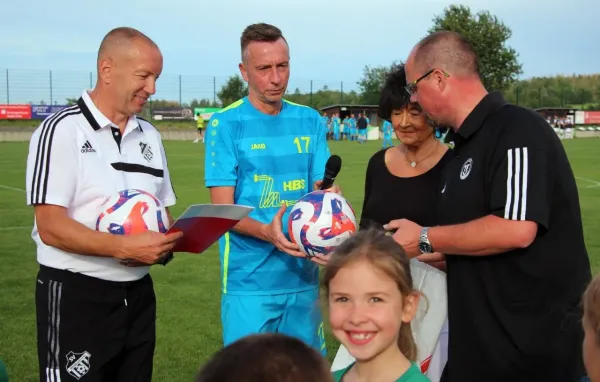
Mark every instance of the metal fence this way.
pixel 54 87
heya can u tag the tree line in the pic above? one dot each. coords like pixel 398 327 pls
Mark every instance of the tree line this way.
pixel 499 66
pixel 576 91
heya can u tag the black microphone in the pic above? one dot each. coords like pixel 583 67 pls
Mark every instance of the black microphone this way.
pixel 332 168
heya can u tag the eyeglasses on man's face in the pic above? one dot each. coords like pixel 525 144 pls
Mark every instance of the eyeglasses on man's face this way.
pixel 412 87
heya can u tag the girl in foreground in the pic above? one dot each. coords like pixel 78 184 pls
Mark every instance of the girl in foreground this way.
pixel 591 327
pixel 371 304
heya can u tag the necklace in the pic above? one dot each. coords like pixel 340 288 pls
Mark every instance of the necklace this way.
pixel 414 163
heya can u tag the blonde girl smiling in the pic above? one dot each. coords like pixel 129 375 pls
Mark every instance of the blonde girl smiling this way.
pixel 372 302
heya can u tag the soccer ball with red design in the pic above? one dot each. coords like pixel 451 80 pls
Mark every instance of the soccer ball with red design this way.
pixel 132 211
pixel 320 221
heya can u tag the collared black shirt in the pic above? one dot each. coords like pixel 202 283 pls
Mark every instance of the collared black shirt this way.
pixel 361 123
pixel 514 316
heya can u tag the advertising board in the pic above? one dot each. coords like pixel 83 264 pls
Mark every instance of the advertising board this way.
pixel 173 113
pixel 15 111
pixel 43 111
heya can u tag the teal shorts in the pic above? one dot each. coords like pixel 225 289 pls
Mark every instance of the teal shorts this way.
pixel 294 314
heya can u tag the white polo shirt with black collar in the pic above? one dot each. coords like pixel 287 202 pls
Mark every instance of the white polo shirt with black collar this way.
pixel 78 159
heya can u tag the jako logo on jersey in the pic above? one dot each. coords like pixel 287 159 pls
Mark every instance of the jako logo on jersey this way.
pixel 294 185
pixel 258 146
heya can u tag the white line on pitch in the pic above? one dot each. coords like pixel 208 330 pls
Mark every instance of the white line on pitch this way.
pixel 12 188
pixel 594 182
pixel 14 228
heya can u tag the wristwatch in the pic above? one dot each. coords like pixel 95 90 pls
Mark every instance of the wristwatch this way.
pixel 424 244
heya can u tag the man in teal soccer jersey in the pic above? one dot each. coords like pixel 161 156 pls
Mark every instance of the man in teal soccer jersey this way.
pixel 266 152
pixel 387 134
pixel 335 121
pixel 353 131
pixel 325 119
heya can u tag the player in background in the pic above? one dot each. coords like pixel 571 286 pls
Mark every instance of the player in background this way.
pixel 200 125
pixel 335 121
pixel 346 127
pixel 266 152
pixel 387 134
pixel 325 119
pixel 349 128
pixel 353 131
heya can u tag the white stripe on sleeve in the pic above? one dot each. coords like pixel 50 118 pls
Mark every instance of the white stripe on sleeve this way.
pixel 515 207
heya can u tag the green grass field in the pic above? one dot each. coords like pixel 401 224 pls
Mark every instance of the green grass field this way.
pixel 188 327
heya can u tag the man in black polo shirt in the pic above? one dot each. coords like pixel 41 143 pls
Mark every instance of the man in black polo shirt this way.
pixel 362 128
pixel 512 234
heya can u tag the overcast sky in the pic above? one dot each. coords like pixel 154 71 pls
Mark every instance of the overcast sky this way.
pixel 331 40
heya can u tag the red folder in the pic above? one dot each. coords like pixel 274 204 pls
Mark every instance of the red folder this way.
pixel 203 224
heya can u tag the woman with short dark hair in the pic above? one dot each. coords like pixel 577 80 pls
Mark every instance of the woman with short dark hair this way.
pixel 404 181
